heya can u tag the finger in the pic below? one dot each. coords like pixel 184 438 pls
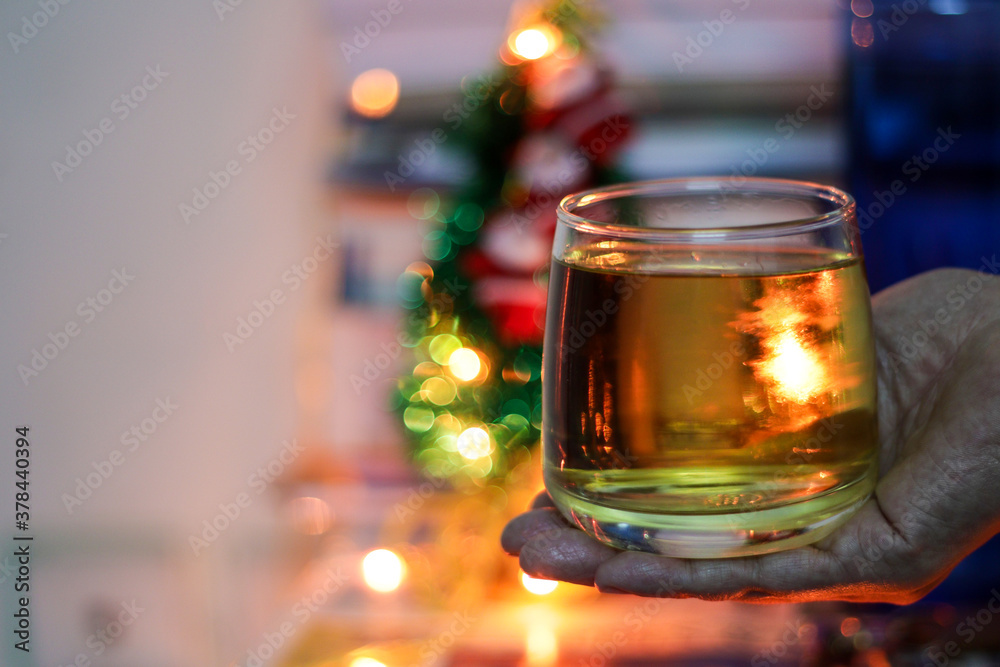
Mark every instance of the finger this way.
pixel 799 574
pixel 543 499
pixel 525 526
pixel 567 554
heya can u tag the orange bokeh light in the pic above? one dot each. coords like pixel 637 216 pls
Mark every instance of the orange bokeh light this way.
pixel 375 93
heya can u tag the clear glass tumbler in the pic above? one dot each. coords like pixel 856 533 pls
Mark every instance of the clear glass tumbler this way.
pixel 709 368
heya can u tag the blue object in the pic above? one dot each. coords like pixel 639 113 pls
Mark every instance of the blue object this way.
pixel 924 115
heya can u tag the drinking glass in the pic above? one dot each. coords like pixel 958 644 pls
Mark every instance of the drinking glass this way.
pixel 709 367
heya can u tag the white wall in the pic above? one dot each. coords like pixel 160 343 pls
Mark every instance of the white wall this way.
pixel 162 336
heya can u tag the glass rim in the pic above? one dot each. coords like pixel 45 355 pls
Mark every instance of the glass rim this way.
pixel 845 207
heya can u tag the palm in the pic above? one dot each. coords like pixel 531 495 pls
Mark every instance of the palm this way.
pixel 939 466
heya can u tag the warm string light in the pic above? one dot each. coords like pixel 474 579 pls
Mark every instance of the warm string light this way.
pixel 364 661
pixel 433 407
pixel 537 586
pixel 531 44
pixel 465 364
pixel 382 570
pixel 534 42
pixel 375 93
pixel 474 443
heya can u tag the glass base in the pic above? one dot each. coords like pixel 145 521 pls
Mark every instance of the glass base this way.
pixel 717 535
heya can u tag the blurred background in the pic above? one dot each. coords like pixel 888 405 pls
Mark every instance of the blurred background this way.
pixel 252 441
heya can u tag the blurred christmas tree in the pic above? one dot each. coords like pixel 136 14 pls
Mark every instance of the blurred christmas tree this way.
pixel 545 124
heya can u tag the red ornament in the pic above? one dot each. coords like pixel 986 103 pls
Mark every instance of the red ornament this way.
pixel 575 99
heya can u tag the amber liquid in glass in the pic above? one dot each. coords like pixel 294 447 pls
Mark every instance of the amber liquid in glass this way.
pixel 708 403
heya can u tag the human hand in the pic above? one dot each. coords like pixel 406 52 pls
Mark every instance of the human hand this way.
pixel 939 474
